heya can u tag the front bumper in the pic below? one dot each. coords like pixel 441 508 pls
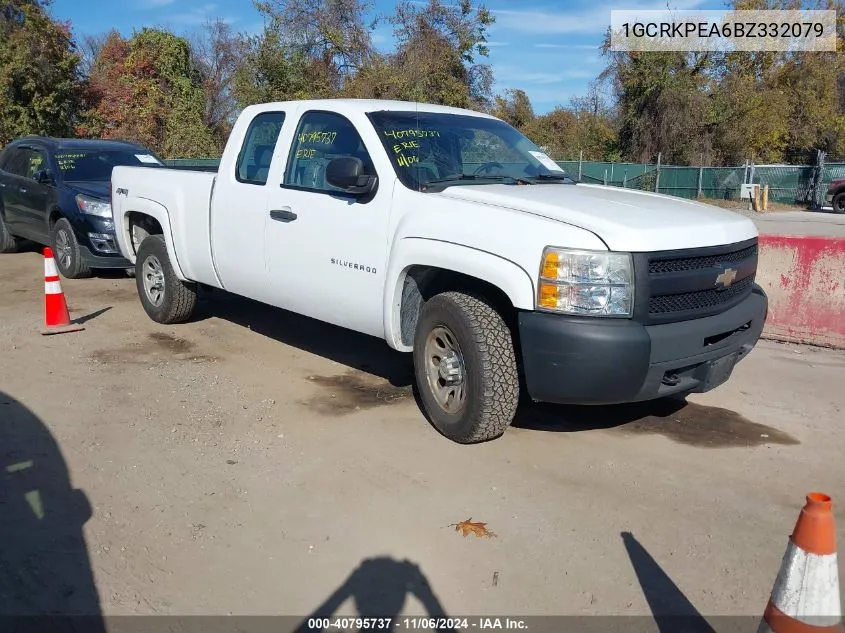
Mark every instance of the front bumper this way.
pixel 98 244
pixel 583 360
pixel 103 261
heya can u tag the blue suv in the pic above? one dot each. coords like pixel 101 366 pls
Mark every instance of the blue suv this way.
pixel 56 192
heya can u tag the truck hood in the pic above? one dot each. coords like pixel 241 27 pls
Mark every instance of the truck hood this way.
pixel 624 219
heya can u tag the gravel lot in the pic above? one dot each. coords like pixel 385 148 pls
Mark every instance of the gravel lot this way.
pixel 250 461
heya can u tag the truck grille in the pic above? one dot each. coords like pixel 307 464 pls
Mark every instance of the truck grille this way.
pixel 701 299
pixel 681 264
pixel 681 285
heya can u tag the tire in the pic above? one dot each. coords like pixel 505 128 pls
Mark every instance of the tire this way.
pixel 166 298
pixel 8 242
pixel 67 252
pixel 839 203
pixel 485 356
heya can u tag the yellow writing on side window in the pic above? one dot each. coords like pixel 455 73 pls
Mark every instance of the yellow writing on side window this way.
pixel 405 145
pixel 306 153
pixel 407 161
pixel 400 134
pixel 326 138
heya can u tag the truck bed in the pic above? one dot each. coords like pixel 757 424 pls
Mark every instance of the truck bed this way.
pixel 186 195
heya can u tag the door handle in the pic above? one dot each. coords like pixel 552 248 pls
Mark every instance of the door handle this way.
pixel 283 215
pixel 23 190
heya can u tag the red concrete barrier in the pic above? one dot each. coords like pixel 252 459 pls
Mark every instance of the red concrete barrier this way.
pixel 805 280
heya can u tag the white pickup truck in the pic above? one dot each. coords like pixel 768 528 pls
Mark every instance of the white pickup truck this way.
pixel 450 235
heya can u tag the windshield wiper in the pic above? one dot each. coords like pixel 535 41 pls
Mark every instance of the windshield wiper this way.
pixel 551 177
pixel 459 177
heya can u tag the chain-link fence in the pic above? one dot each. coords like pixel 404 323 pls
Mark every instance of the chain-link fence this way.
pixel 788 184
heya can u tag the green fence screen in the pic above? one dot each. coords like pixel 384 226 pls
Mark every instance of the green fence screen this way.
pixel 789 184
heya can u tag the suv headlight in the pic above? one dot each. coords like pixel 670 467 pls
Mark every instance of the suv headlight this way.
pixel 586 283
pixel 92 206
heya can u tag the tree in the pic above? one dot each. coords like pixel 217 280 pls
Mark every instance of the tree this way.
pixel 147 88
pixel 216 52
pixel 437 49
pixel 39 72
pixel 514 107
pixel 308 49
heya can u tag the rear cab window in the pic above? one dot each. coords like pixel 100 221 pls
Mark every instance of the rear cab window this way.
pixel 256 153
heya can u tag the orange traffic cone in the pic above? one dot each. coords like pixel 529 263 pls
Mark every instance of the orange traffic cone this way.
pixel 805 597
pixel 56 315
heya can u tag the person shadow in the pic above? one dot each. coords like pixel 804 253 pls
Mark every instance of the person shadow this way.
pixel 46 580
pixel 379 588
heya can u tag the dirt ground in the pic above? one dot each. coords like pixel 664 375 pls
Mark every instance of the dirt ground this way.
pixel 255 462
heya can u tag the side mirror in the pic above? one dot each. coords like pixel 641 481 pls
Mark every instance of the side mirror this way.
pixel 347 173
pixel 44 177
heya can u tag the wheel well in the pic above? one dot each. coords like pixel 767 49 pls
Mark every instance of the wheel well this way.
pixel 55 216
pixel 142 226
pixel 423 282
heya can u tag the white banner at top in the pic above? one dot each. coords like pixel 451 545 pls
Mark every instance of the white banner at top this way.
pixel 724 31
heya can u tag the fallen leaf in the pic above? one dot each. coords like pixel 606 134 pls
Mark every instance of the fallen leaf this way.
pixel 468 527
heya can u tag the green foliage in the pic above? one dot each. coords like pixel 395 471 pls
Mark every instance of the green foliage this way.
pixel 148 89
pixel 39 78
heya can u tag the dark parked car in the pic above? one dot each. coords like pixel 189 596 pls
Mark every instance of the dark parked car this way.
pixel 56 192
pixel 835 195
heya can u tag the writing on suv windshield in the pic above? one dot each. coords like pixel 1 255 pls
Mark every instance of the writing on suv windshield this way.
pixel 97 165
pixel 431 150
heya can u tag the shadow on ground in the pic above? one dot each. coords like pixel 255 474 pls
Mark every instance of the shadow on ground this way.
pixel 680 421
pixel 44 565
pixel 379 588
pixel 357 351
pixel 671 609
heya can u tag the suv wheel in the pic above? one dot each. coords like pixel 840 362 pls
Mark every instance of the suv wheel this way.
pixel 8 242
pixel 67 253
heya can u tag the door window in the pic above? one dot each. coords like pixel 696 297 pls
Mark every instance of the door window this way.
pixel 24 162
pixel 257 151
pixel 320 138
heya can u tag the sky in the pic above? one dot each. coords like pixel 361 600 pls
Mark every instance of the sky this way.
pixel 549 49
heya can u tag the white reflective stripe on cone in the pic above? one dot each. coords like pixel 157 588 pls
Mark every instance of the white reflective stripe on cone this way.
pixel 811 595
pixel 50 267
pixel 52 288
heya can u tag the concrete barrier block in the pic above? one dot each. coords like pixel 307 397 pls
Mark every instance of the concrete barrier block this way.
pixel 804 278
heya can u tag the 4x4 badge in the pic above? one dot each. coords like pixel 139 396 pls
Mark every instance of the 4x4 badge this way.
pixel 726 277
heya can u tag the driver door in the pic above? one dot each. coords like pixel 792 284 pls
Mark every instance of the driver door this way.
pixel 326 250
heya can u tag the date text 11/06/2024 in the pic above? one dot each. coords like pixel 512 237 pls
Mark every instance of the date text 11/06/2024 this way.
pixel 354 625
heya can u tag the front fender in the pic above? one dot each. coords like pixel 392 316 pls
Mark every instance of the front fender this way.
pixel 155 210
pixel 503 273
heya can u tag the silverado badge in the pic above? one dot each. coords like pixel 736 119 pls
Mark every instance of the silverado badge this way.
pixel 726 277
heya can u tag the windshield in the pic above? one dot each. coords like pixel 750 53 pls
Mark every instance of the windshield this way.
pixel 431 150
pixel 96 165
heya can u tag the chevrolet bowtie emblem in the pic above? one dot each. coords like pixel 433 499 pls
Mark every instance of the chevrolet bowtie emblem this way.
pixel 726 277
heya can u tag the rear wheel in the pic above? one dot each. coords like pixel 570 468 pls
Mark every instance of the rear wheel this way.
pixel 165 297
pixel 67 252
pixel 8 242
pixel 839 203
pixel 465 368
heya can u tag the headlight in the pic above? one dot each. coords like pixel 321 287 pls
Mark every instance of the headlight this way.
pixel 92 206
pixel 586 283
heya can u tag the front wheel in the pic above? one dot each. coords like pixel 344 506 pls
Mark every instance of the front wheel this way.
pixel 166 298
pixel 465 368
pixel 839 203
pixel 67 253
